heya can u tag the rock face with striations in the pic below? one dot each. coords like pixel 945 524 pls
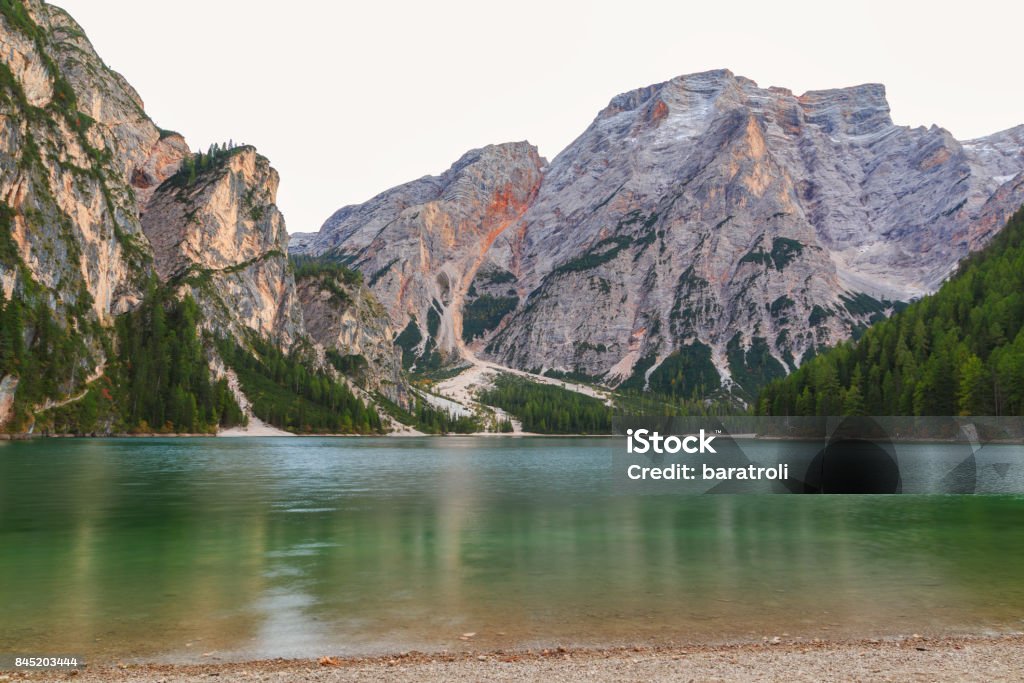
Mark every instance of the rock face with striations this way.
pixel 91 212
pixel 72 136
pixel 716 218
pixel 701 231
pixel 94 203
pixel 344 315
pixel 706 223
pixel 421 245
pixel 223 236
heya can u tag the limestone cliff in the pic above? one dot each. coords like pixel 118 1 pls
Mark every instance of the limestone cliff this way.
pixel 700 223
pixel 221 235
pixel 421 245
pixel 72 135
pixel 342 314
pixel 710 212
pixel 704 227
pixel 96 201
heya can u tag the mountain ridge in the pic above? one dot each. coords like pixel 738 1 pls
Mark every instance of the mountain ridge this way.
pixel 131 267
pixel 791 220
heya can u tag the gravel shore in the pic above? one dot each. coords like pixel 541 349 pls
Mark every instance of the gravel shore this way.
pixel 912 659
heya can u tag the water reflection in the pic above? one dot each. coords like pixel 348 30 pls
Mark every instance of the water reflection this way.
pixel 180 548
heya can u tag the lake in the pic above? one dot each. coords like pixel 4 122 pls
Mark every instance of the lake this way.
pixel 193 549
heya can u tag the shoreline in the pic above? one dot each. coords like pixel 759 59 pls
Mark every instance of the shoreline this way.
pixel 289 435
pixel 237 433
pixel 952 658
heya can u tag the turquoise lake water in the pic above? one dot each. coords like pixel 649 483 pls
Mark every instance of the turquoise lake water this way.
pixel 194 549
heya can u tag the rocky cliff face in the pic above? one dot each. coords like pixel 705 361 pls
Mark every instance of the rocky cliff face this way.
pixel 700 230
pixel 421 245
pixel 345 316
pixel 81 166
pixel 221 235
pixel 95 200
pixel 72 135
pixel 706 221
pixel 753 222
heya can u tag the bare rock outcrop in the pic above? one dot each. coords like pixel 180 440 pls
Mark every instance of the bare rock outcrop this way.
pixel 80 167
pixel 342 315
pixel 72 135
pixel 222 236
pixel 420 245
pixel 762 225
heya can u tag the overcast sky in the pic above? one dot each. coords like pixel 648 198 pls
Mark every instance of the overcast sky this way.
pixel 348 99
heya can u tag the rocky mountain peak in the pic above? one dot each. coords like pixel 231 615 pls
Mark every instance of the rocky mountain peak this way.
pixel 420 245
pixel 704 222
pixel 856 111
pixel 512 153
pixel 476 174
pixel 61 98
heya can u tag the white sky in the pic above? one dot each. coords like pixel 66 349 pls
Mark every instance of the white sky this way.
pixel 348 99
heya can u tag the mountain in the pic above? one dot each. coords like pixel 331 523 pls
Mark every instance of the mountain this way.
pixel 343 316
pixel 73 136
pixel 422 245
pixel 703 237
pixel 702 232
pixel 144 286
pixel 220 235
pixel 959 351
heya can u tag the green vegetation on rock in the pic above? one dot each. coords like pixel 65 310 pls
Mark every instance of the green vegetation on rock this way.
pixel 329 273
pixel 324 266
pixel 687 374
pixel 484 314
pixel 783 252
pixel 428 419
pixel 493 276
pixel 194 166
pixel 754 367
pixel 156 377
pixel 409 340
pixel 602 252
pixel 46 354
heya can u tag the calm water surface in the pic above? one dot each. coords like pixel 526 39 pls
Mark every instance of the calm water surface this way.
pixel 175 549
